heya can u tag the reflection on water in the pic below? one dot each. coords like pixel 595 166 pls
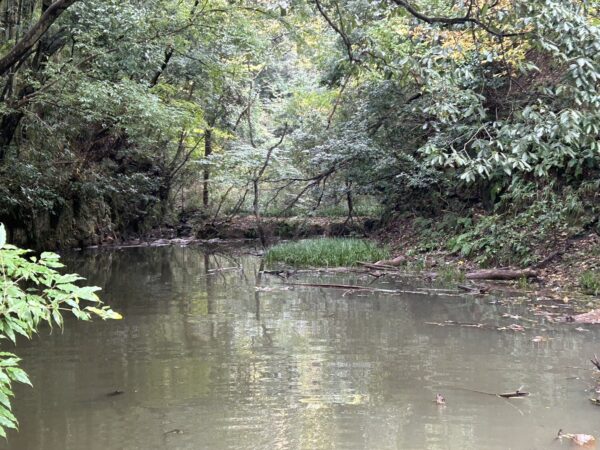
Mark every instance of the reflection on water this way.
pixel 207 361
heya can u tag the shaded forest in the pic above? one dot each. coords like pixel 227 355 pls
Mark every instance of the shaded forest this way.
pixel 474 124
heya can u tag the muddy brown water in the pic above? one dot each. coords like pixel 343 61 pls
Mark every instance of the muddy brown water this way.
pixel 205 361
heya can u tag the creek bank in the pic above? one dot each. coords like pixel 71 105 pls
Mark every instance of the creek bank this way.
pixel 192 230
pixel 557 267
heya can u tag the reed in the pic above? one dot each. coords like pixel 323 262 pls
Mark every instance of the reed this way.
pixel 326 252
pixel 590 282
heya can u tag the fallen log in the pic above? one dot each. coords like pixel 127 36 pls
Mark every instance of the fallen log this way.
pixel 501 274
pixel 395 262
pixel 377 266
pixel 492 274
pixel 484 274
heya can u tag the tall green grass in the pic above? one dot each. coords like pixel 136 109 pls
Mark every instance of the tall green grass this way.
pixel 325 252
pixel 590 282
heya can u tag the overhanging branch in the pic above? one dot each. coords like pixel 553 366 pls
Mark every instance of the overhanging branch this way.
pixel 338 30
pixel 34 34
pixel 450 21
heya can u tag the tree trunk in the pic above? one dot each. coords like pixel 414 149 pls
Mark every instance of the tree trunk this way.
pixel 10 122
pixel 256 208
pixel 168 55
pixel 34 34
pixel 206 178
pixel 8 128
pixel 349 201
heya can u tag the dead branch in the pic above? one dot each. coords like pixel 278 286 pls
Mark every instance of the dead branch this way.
pixel 517 394
pixel 474 289
pixel 394 262
pixel 494 274
pixel 351 287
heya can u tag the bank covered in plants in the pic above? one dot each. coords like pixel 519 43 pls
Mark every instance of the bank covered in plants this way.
pixel 467 128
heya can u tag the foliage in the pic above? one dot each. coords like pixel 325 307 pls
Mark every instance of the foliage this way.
pixel 131 111
pixel 32 293
pixel 526 220
pixel 590 282
pixel 325 252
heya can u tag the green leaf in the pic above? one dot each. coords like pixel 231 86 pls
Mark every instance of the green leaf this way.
pixel 57 317
pixel 5 400
pixel 7 419
pixel 9 362
pixel 18 375
pixel 8 331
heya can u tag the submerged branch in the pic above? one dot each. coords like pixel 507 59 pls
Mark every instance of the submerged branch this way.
pixel 351 287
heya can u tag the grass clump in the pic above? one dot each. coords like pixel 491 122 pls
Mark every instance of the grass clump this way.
pixel 451 275
pixel 590 282
pixel 325 252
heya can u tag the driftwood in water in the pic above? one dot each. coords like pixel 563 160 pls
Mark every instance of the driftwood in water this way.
pixel 474 289
pixel 348 287
pixel 517 394
pixel 115 393
pixel 596 362
pixel 352 287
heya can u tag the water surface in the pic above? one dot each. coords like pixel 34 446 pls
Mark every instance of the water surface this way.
pixel 205 360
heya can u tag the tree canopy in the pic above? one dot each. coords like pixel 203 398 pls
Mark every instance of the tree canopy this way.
pixel 117 116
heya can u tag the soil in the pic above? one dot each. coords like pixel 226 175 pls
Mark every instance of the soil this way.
pixel 561 262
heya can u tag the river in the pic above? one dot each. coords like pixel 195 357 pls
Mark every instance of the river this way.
pixel 205 360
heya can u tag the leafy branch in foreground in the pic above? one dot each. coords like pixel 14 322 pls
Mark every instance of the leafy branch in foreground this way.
pixel 33 292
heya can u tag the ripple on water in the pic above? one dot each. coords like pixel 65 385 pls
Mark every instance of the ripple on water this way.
pixel 235 368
